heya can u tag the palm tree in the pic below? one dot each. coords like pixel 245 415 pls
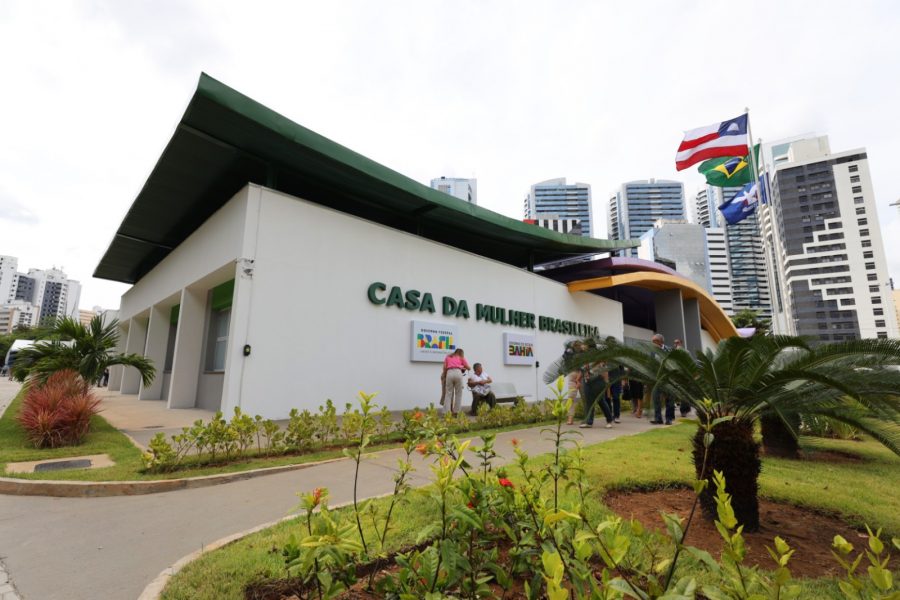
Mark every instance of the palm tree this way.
pixel 88 350
pixel 856 382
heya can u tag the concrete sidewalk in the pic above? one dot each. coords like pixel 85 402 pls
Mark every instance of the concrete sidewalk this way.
pixel 83 548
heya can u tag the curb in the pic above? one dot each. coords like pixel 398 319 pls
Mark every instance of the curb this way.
pixel 101 489
pixel 154 589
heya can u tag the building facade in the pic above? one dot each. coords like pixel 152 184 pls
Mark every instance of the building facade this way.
pixel 824 245
pixel 558 202
pixel 412 275
pixel 679 245
pixel 720 275
pixel 458 187
pixel 633 209
pixel 749 281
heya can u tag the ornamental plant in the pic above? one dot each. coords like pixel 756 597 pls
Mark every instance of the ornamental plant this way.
pixel 58 411
pixel 527 527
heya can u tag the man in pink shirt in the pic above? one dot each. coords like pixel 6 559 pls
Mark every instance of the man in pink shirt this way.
pixel 453 376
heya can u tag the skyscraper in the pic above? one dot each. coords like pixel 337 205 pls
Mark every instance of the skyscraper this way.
pixel 823 244
pixel 464 189
pixel 50 290
pixel 720 268
pixel 556 200
pixel 749 284
pixel 637 205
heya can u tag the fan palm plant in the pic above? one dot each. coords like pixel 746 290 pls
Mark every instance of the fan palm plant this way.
pixel 855 382
pixel 88 350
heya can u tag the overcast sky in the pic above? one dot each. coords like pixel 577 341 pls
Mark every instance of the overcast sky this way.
pixel 511 92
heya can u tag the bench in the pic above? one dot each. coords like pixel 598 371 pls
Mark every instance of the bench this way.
pixel 504 391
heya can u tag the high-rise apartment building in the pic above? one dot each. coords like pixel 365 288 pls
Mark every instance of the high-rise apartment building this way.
pixel 746 256
pixel 720 267
pixel 464 189
pixel 49 292
pixel 637 205
pixel 556 200
pixel 9 267
pixel 823 244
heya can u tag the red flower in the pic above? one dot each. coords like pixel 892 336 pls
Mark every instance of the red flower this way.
pixel 514 442
pixel 317 496
pixel 418 415
pixel 422 449
pixel 470 505
pixel 504 482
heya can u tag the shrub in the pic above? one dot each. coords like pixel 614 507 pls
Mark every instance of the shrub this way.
pixel 58 412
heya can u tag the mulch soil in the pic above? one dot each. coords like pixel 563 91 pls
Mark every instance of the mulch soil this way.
pixel 808 532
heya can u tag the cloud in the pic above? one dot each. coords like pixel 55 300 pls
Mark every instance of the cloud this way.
pixel 14 211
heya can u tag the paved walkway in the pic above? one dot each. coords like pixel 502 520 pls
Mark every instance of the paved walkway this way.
pixel 8 391
pixel 80 548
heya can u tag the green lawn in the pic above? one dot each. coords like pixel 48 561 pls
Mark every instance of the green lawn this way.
pixel 859 492
pixel 105 439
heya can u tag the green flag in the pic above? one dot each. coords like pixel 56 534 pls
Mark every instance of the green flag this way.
pixel 729 171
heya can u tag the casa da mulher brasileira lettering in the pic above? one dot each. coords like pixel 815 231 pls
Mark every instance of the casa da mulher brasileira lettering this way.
pixel 417 301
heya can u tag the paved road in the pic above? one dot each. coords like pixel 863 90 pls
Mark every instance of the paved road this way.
pixel 76 548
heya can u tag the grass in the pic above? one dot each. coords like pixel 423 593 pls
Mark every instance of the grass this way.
pixel 105 439
pixel 858 492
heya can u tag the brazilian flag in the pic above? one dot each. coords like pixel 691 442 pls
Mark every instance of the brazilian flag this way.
pixel 729 171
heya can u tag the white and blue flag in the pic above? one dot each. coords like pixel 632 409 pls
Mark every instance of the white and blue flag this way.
pixel 742 205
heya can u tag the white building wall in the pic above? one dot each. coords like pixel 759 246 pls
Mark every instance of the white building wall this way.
pixel 213 246
pixel 9 266
pixel 315 335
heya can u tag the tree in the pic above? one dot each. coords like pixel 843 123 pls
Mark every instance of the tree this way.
pixel 731 387
pixel 90 353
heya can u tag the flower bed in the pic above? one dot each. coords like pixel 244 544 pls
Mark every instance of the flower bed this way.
pixel 515 533
pixel 221 441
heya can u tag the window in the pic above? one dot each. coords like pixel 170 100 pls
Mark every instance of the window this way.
pixel 848 302
pixel 853 168
pixel 218 339
pixel 862 222
pixel 864 232
pixel 868 254
pixel 872 277
pixel 834 226
pixel 882 335
pixel 876 299
pixel 879 324
pixel 856 189
pixel 870 266
pixel 873 288
pixel 860 210
pixel 854 179
pixel 878 312
pixel 867 243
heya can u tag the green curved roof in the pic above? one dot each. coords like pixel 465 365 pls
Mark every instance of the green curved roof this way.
pixel 226 140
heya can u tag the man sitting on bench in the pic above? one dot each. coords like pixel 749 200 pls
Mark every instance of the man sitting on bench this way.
pixel 480 384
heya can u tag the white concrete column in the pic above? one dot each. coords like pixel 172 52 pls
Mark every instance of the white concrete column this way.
pixel 137 338
pixel 188 349
pixel 157 341
pixel 238 335
pixel 115 372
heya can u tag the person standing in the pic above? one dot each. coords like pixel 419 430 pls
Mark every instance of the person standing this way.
pixel 658 397
pixel 574 378
pixel 480 384
pixel 594 390
pixel 453 376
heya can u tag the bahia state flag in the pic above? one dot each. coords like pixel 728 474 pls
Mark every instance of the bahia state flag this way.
pixel 742 205
pixel 729 171
pixel 728 138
